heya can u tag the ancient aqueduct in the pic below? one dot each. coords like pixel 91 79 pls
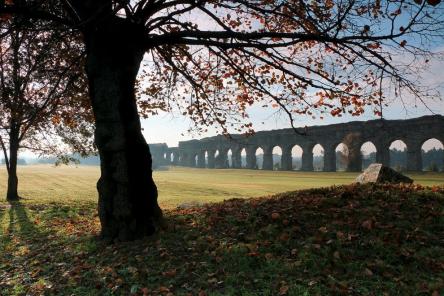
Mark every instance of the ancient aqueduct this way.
pixel 212 152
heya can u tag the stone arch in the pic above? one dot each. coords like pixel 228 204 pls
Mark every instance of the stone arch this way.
pixel 243 154
pixel 318 157
pixel 432 154
pixel 398 155
pixel 229 158
pixel 342 157
pixel 201 159
pixel 206 158
pixel 296 157
pixel 259 153
pixel 216 158
pixel 368 154
pixel 195 160
pixel 277 157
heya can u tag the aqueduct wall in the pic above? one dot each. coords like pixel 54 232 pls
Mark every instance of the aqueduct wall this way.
pixel 212 152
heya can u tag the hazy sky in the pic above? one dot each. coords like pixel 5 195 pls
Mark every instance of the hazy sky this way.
pixel 170 129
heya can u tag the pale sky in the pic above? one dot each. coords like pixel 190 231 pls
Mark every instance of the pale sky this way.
pixel 170 129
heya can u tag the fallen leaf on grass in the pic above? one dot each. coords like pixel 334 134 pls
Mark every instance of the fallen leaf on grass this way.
pixel 284 237
pixel 275 216
pixel 367 224
pixel 268 256
pixel 336 255
pixel 368 272
pixel 283 290
pixel 170 273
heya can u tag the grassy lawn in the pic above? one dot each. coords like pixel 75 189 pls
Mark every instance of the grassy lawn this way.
pixel 355 240
pixel 341 240
pixel 177 185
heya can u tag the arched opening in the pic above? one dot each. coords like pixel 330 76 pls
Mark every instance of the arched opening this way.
pixel 216 159
pixel 341 153
pixel 165 156
pixel 398 155
pixel 230 158
pixel 296 157
pixel 196 161
pixel 206 159
pixel 318 157
pixel 368 153
pixel 259 158
pixel 432 152
pixel 243 158
pixel 172 157
pixel 277 157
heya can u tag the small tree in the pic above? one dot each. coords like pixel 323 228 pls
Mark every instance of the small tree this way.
pixel 43 101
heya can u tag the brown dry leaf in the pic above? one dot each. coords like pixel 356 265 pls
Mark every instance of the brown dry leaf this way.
pixel 323 229
pixel 170 273
pixel 275 216
pixel 268 256
pixel 283 290
pixel 368 272
pixel 284 237
pixel 212 280
pixel 340 235
pixel 367 224
pixel 336 255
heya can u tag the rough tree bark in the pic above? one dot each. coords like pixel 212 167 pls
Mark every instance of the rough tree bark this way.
pixel 11 165
pixel 128 207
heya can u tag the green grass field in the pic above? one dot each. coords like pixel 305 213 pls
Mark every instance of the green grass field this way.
pixel 43 183
pixel 341 240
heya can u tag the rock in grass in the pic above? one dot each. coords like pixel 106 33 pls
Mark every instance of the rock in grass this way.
pixel 377 173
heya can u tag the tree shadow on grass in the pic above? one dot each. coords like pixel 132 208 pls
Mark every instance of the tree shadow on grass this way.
pixel 39 258
pixel 19 222
pixel 3 232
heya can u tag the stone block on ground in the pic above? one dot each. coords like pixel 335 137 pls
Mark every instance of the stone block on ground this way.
pixel 377 173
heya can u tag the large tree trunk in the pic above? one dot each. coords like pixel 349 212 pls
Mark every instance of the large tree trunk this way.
pixel 128 207
pixel 12 192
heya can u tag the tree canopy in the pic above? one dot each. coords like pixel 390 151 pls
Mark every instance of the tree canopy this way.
pixel 43 98
pixel 212 59
pixel 43 92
